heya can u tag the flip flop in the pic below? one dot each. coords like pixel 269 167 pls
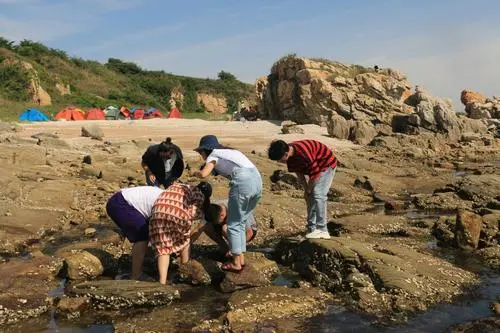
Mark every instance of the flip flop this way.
pixel 229 268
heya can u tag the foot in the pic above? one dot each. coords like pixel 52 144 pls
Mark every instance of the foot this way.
pixel 229 267
pixel 318 234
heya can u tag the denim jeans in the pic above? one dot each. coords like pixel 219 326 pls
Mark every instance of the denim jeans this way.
pixel 244 194
pixel 316 201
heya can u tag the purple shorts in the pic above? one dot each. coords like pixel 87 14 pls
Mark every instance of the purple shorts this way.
pixel 131 222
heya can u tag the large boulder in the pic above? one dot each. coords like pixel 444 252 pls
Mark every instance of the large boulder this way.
pixel 362 132
pixel 92 131
pixel 468 96
pixel 338 127
pixel 312 90
pixel 82 266
pixel 468 229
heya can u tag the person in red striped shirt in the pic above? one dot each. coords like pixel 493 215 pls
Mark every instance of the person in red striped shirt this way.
pixel 315 165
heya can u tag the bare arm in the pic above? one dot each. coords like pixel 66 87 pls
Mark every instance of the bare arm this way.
pixel 205 172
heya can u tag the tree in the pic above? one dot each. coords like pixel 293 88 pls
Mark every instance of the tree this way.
pixel 5 43
pixel 226 76
pixel 123 67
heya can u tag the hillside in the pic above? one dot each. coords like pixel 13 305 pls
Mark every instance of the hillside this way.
pixel 32 74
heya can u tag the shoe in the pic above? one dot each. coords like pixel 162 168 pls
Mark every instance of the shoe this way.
pixel 318 234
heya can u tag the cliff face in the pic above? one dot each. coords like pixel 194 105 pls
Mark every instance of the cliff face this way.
pixel 355 102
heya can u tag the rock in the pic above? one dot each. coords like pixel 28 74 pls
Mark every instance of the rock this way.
pixel 248 278
pixel 45 135
pixel 249 308
pixel 25 286
pixel 90 232
pixel 425 112
pixel 364 183
pixel 362 132
pixel 478 111
pixel 490 230
pixel 495 307
pixel 444 232
pixel 392 270
pixel 87 159
pixel 71 307
pixel 53 143
pixel 468 229
pixel 83 265
pixel 389 202
pixel 338 127
pixel 468 96
pixel 92 131
pixel 212 103
pixel 89 172
pixel 481 189
pixel 120 294
pixel 259 262
pixel 312 91
pixel 289 127
pixel 487 324
pixel 491 256
pixel 202 272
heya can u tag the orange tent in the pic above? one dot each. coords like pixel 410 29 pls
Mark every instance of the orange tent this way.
pixel 70 113
pixel 96 114
pixel 174 113
pixel 138 114
pixel 125 112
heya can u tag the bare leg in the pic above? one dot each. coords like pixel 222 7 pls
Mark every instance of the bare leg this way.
pixel 238 260
pixel 163 262
pixel 185 254
pixel 138 252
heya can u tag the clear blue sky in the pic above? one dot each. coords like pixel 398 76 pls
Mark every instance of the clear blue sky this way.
pixel 443 45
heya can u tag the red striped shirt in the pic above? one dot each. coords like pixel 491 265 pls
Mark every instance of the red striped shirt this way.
pixel 311 158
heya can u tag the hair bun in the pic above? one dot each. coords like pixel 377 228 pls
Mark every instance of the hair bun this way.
pixel 168 140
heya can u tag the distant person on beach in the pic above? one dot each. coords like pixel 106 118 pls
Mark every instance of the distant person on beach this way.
pixel 171 219
pixel 215 226
pixel 316 161
pixel 163 163
pixel 130 209
pixel 244 193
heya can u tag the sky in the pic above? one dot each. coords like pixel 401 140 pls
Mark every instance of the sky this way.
pixel 442 45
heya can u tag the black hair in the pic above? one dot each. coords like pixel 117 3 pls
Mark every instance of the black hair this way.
pixel 212 213
pixel 167 145
pixel 206 189
pixel 277 149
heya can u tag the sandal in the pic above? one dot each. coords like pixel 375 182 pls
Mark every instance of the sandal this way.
pixel 230 268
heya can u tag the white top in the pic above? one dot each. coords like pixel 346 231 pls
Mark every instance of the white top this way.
pixel 142 198
pixel 227 159
pixel 169 164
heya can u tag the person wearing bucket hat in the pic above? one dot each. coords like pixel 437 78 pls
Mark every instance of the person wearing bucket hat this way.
pixel 244 193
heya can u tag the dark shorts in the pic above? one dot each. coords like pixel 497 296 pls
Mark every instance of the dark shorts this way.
pixel 131 222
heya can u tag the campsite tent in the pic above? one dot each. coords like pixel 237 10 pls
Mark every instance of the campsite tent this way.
pixel 125 112
pixel 33 115
pixel 174 113
pixel 70 113
pixel 112 113
pixel 152 113
pixel 138 114
pixel 95 114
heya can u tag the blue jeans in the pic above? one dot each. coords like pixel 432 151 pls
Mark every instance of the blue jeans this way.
pixel 244 194
pixel 316 201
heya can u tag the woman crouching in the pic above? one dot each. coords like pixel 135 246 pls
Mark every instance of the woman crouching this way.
pixel 172 216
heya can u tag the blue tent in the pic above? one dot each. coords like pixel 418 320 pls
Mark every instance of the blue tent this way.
pixel 33 115
pixel 151 110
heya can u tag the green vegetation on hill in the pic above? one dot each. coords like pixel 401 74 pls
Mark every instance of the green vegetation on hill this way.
pixel 93 84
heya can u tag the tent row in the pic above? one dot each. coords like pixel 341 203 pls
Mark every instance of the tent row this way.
pixel 109 113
